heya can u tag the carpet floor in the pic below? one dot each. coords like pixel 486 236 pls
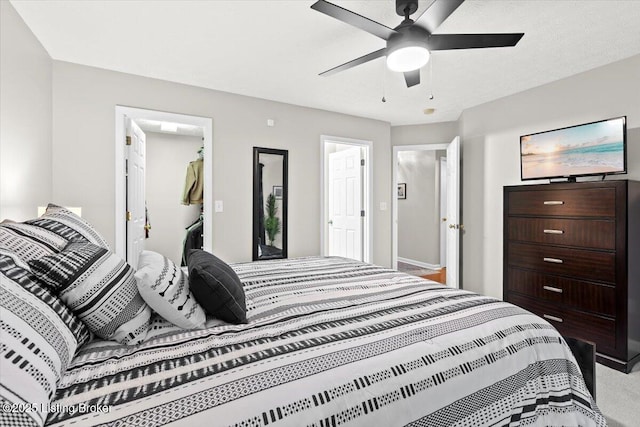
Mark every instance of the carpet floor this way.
pixel 618 395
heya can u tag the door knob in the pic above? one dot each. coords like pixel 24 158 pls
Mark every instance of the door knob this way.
pixel 444 219
pixel 330 222
pixel 452 225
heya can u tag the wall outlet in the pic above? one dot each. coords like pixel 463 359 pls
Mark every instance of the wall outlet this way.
pixel 218 206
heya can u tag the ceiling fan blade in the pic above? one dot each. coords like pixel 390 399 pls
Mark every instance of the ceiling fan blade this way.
pixel 412 77
pixel 358 61
pixel 437 13
pixel 472 41
pixel 354 19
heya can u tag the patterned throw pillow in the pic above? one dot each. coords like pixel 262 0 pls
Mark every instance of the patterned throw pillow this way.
pixel 38 338
pixel 216 287
pixel 29 242
pixel 165 287
pixel 100 288
pixel 68 225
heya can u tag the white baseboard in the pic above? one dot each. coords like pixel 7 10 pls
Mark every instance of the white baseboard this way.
pixel 420 263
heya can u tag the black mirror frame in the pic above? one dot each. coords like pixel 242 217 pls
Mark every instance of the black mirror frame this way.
pixel 256 204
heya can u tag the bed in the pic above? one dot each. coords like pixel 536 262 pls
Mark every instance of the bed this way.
pixel 85 339
pixel 331 342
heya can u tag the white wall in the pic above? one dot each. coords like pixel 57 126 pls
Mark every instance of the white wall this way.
pixel 25 119
pixel 84 101
pixel 167 159
pixel 490 135
pixel 419 213
pixel 434 133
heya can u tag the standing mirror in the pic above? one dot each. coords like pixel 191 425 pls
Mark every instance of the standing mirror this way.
pixel 269 203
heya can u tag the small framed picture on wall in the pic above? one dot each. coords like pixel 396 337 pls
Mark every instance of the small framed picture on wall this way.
pixel 402 191
pixel 277 191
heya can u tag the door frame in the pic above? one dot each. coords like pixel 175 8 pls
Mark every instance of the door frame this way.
pixel 136 183
pixel 367 231
pixel 394 197
pixel 121 115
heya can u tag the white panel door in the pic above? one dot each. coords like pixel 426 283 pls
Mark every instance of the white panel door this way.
pixel 345 204
pixel 453 213
pixel 135 175
pixel 443 212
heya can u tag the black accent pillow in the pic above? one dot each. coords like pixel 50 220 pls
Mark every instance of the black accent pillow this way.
pixel 216 287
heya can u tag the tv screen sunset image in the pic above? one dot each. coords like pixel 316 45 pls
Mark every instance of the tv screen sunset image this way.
pixel 590 149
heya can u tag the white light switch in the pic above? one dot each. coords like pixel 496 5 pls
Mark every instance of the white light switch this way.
pixel 383 206
pixel 219 206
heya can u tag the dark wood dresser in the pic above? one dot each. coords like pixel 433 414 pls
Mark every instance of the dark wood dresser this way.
pixel 572 256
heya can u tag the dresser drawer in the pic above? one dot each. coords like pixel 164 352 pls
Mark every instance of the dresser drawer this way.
pixel 586 233
pixel 587 202
pixel 574 323
pixel 578 263
pixel 585 296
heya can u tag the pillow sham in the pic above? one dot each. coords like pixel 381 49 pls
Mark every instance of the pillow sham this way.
pixel 165 287
pixel 29 242
pixel 38 339
pixel 68 225
pixel 100 288
pixel 216 287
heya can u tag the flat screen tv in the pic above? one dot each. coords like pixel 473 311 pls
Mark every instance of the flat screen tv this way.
pixel 597 148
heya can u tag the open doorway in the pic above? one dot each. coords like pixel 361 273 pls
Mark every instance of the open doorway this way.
pixel 159 137
pixel 346 203
pixel 420 213
pixel 175 214
pixel 426 201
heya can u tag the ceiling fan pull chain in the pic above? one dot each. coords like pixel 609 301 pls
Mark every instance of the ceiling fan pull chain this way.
pixel 384 82
pixel 431 78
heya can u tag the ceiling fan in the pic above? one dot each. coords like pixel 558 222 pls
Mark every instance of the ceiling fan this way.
pixel 409 44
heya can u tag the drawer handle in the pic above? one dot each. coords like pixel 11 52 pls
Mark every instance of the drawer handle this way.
pixel 553 202
pixel 554 318
pixel 553 260
pixel 552 289
pixel 553 232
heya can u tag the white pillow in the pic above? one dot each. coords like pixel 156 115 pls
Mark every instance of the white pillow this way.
pixel 165 287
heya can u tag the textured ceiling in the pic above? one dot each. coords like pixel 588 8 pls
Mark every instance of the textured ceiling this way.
pixel 275 49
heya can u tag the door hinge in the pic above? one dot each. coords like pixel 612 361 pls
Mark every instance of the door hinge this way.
pixel 361 213
pixel 361 162
pixel 128 140
pixel 128 215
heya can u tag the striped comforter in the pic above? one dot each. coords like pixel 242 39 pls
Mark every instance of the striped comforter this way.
pixel 334 342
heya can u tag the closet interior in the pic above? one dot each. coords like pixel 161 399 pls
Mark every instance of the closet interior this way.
pixel 174 192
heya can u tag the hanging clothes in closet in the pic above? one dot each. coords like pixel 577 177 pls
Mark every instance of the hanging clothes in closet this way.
pixel 193 239
pixel 194 182
pixel 192 195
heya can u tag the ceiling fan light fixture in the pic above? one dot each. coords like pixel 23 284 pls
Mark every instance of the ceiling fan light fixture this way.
pixel 408 58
